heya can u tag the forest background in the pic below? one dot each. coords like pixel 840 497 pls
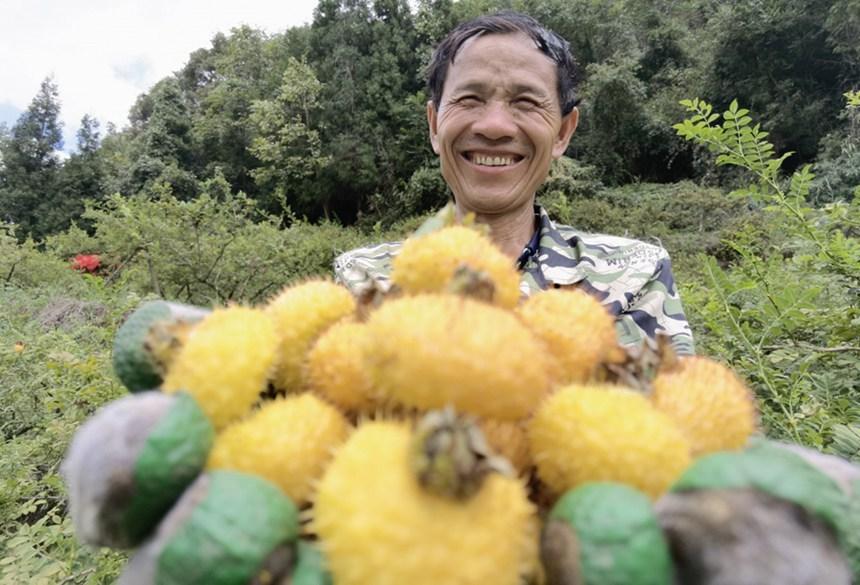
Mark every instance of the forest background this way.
pixel 268 154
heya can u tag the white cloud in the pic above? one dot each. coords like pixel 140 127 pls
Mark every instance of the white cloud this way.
pixel 136 71
pixel 104 53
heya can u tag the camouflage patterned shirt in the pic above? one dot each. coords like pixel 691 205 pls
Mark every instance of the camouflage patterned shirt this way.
pixel 632 279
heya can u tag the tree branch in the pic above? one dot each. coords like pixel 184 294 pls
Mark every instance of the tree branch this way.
pixel 11 272
pixel 122 266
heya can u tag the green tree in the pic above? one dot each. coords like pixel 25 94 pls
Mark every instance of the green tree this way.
pixel 223 82
pixel 843 28
pixel 371 122
pixel 31 162
pixel 838 166
pixel 287 145
pixel 781 63
pixel 161 145
pixel 80 179
pixel 88 135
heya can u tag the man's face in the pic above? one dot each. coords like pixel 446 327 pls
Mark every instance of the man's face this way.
pixel 499 123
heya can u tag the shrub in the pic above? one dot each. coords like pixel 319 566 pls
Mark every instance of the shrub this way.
pixel 205 251
pixel 783 314
pixel 425 191
pixel 24 265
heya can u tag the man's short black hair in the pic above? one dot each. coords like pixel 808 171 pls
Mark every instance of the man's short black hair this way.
pixel 505 22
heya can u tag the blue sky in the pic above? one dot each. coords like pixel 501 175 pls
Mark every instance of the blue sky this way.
pixel 9 113
pixel 104 53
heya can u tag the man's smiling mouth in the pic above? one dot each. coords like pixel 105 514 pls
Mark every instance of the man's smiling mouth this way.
pixel 491 160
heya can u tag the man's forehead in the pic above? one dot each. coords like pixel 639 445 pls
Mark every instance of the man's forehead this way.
pixel 484 59
pixel 492 38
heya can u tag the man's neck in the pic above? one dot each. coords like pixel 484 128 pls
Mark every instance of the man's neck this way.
pixel 511 232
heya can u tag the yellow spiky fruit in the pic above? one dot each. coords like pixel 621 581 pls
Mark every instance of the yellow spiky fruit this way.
pixel 535 574
pixel 288 441
pixel 336 367
pixel 301 313
pixel 709 402
pixel 377 525
pixel 225 362
pixel 605 433
pixel 508 439
pixel 428 263
pixel 431 351
pixel 577 330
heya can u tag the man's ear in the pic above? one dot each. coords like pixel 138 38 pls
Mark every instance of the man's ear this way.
pixel 431 123
pixel 568 127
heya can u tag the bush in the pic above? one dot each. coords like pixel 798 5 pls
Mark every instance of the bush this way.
pixel 209 250
pixel 784 311
pixel 425 191
pixel 24 265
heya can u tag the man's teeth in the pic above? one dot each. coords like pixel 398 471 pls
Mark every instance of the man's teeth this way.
pixel 492 161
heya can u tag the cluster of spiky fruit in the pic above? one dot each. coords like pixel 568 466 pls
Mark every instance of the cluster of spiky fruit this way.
pixel 425 433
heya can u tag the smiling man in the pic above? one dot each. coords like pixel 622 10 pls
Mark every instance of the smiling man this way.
pixel 502 108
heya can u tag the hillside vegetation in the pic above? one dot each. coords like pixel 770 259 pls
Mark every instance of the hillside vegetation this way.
pixel 265 156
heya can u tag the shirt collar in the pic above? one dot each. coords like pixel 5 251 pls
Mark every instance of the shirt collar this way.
pixel 533 244
pixel 555 259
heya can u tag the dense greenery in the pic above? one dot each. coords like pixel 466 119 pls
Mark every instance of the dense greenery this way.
pixel 266 155
pixel 785 313
pixel 327 120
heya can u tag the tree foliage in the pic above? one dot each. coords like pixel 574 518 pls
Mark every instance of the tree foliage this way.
pixel 289 149
pixel 780 57
pixel 31 163
pixel 837 170
pixel 361 142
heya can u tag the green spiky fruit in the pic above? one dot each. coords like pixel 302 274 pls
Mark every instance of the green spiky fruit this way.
pixel 130 462
pixel 301 314
pixel 226 362
pixel 221 532
pixel 614 538
pixel 288 441
pixel 583 434
pixel 147 342
pixel 430 351
pixel 577 330
pixel 378 525
pixel 429 263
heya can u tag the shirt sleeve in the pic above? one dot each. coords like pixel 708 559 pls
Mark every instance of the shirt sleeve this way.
pixel 657 309
pixel 358 268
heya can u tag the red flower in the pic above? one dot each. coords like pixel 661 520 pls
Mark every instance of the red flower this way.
pixel 86 262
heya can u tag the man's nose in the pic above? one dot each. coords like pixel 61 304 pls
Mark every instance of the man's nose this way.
pixel 495 122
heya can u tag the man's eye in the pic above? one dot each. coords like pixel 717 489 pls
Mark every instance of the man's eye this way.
pixel 469 100
pixel 526 102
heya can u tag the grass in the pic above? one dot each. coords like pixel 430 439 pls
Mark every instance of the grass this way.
pixel 54 373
